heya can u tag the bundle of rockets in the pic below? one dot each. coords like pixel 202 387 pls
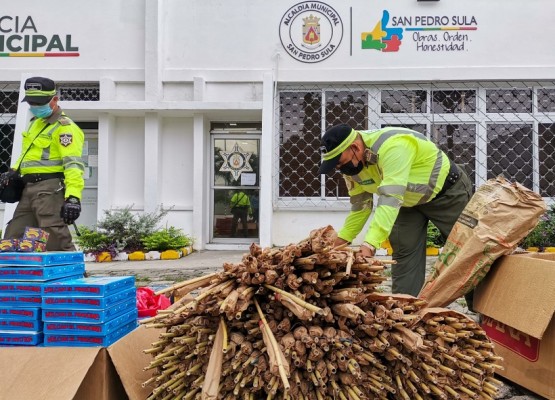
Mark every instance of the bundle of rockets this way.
pixel 308 321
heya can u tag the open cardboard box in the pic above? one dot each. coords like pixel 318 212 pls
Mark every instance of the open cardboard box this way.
pixel 517 302
pixel 78 373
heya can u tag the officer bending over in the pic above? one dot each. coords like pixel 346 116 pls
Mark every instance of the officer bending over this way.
pixel 415 183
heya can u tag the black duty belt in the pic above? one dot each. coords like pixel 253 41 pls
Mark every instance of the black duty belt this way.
pixel 34 178
pixel 452 177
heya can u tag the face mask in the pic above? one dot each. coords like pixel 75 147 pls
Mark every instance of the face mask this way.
pixel 350 168
pixel 43 111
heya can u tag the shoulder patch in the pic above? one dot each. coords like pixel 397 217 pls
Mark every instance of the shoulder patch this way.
pixel 66 139
pixel 349 182
pixel 64 121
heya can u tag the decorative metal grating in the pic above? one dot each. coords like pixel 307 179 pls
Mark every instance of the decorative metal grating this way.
pixel 9 96
pixel 79 91
pixel 490 128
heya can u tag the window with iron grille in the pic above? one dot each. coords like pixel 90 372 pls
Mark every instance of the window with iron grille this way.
pixel 490 129
pixel 547 158
pixel 510 152
pixel 9 95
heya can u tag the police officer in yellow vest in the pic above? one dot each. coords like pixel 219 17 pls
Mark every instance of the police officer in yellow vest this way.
pixel 415 183
pixel 240 208
pixel 51 167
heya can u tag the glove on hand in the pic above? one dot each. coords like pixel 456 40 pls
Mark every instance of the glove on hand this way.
pixel 71 210
pixel 7 176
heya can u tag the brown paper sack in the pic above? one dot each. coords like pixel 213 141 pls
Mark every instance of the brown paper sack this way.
pixel 495 220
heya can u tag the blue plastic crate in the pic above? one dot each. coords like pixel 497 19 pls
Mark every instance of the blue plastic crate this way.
pixel 9 312
pixel 93 286
pixel 20 300
pixel 41 273
pixel 20 325
pixel 89 340
pixel 49 258
pixel 89 316
pixel 88 302
pixel 29 287
pixel 76 328
pixel 20 338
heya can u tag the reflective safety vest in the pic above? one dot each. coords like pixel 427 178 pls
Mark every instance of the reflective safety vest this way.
pixel 54 144
pixel 240 199
pixel 410 170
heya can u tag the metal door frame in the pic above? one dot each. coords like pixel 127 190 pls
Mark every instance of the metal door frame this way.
pixel 231 135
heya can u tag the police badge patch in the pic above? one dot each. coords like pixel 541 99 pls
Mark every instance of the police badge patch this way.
pixel 66 139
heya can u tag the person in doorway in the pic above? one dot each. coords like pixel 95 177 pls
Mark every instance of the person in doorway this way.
pixel 415 183
pixel 51 167
pixel 240 208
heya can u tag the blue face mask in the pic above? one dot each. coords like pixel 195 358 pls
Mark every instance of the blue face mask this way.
pixel 43 111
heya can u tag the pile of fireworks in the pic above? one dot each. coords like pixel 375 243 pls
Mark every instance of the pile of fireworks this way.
pixel 308 321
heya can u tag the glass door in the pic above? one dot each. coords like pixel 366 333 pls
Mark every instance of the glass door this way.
pixel 235 187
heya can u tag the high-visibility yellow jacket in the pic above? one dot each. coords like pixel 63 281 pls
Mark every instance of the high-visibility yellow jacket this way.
pixel 55 145
pixel 410 170
pixel 240 199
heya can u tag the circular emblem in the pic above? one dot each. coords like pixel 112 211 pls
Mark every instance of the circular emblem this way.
pixel 311 31
pixel 237 161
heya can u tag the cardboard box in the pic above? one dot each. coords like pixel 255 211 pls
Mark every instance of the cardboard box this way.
pixel 31 273
pixel 42 259
pixel 88 316
pixel 517 302
pixel 78 373
pixel 88 302
pixel 92 286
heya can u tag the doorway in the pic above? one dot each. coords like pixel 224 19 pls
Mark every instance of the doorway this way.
pixel 235 183
pixel 89 196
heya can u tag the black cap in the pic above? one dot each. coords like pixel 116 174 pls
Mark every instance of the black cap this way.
pixel 39 90
pixel 332 139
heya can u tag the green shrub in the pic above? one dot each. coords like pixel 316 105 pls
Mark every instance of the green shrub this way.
pixel 166 239
pixel 128 229
pixel 434 237
pixel 543 235
pixel 91 241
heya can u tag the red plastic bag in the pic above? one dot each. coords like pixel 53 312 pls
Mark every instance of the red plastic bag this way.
pixel 148 303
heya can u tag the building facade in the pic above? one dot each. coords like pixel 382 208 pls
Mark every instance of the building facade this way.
pixel 186 103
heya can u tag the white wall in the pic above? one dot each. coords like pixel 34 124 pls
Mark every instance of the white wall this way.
pixel 177 163
pixel 237 41
pixel 294 226
pixel 128 173
pixel 234 40
pixel 109 36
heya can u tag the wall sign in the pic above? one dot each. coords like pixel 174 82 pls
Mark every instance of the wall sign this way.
pixel 428 33
pixel 19 37
pixel 311 31
pixel 236 161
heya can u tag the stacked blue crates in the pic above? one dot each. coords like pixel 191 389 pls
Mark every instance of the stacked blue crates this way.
pixel 22 278
pixel 95 311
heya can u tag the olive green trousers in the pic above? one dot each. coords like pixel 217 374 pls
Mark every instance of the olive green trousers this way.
pixel 40 206
pixel 408 237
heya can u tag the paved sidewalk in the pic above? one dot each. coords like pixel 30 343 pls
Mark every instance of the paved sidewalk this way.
pixel 162 273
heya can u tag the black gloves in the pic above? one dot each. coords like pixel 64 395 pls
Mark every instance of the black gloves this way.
pixel 7 176
pixel 11 186
pixel 71 210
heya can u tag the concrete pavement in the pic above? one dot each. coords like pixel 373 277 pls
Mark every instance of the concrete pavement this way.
pixel 196 260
